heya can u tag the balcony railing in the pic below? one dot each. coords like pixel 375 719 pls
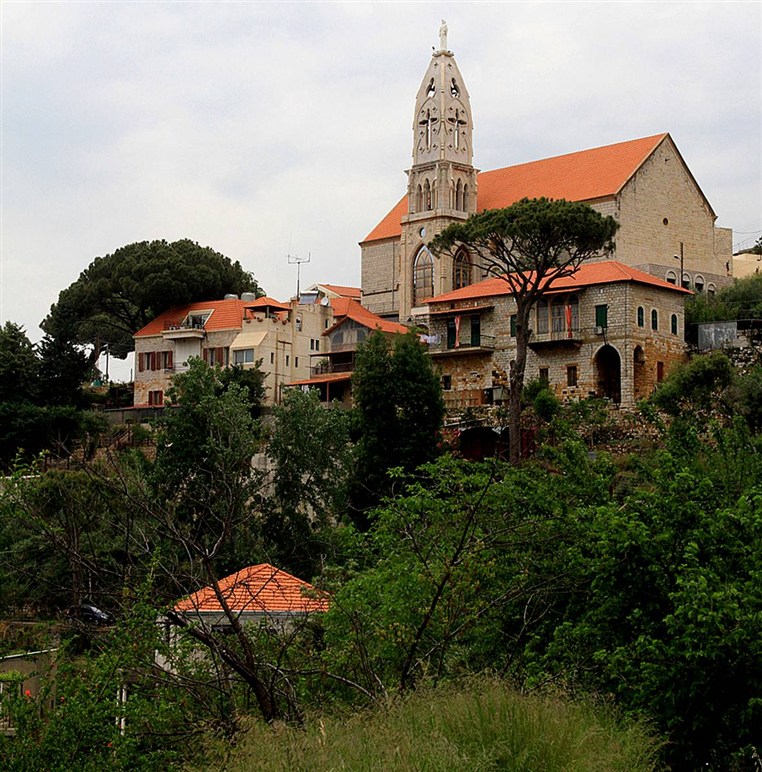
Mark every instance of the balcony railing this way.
pixel 467 345
pixel 328 368
pixel 455 400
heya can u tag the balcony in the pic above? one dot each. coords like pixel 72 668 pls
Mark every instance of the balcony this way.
pixel 481 344
pixel 329 368
pixel 463 398
pixel 571 339
pixel 183 330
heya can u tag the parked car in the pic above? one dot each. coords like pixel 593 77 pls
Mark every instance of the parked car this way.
pixel 90 614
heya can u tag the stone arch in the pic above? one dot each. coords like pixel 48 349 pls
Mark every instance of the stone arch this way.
pixel 608 373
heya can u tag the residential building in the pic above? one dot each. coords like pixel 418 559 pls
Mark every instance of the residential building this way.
pixel 331 372
pixel 667 225
pixel 283 337
pixel 608 330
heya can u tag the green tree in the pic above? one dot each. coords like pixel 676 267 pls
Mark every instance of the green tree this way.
pixel 740 300
pixel 313 461
pixel 530 245
pixel 19 365
pixel 119 293
pixel 398 398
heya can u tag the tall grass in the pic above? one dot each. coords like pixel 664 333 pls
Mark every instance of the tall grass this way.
pixel 481 725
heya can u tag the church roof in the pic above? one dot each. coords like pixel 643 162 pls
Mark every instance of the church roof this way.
pixel 587 275
pixel 586 175
pixel 259 589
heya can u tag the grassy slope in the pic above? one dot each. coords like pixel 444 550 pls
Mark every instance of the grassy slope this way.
pixel 481 726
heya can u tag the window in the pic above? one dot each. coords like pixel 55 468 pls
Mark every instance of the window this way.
pixel 287 358
pixel 544 376
pixel 641 317
pixel 312 344
pixel 513 325
pixel 156 398
pixel 659 372
pixel 673 324
pixel 654 319
pixel 686 281
pixel 542 316
pixel 461 270
pixel 476 331
pixel 698 283
pixel 558 313
pixel 571 376
pixel 272 357
pixel 446 382
pixel 671 277
pixel 602 316
pixel 317 344
pixel 243 356
pixel 423 276
pixel 452 333
pixel 296 361
pixel 710 289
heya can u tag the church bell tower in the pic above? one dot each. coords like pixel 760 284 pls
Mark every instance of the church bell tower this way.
pixel 441 182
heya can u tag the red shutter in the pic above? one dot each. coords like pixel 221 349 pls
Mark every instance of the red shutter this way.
pixel 169 360
pixel 140 362
pixel 219 356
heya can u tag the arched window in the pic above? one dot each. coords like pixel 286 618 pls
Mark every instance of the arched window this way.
pixel 558 314
pixel 461 270
pixel 673 323
pixel 698 283
pixel 686 281
pixel 710 289
pixel 641 317
pixel 465 198
pixel 426 195
pixel 419 200
pixel 671 277
pixel 654 319
pixel 423 276
pixel 459 197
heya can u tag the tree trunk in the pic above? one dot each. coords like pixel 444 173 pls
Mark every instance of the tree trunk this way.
pixel 516 381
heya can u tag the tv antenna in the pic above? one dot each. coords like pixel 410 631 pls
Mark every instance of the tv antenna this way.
pixel 297 261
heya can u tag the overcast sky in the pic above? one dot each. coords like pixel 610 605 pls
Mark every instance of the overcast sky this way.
pixel 263 129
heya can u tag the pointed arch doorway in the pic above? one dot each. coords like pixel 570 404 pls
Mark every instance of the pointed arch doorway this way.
pixel 608 373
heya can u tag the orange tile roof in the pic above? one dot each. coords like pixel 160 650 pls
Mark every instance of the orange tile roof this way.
pixel 226 315
pixel 267 302
pixel 587 275
pixel 582 176
pixel 260 589
pixel 345 292
pixel 348 308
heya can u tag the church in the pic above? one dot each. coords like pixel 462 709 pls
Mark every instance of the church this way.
pixel 667 225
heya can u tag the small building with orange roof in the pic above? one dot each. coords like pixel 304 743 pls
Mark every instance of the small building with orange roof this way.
pixel 258 593
pixel 608 330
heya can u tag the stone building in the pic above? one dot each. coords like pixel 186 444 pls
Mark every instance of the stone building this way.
pixel 608 330
pixel 667 225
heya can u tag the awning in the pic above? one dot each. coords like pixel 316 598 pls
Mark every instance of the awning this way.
pixel 248 339
pixel 327 378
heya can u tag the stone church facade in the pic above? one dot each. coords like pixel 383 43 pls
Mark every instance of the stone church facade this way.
pixel 667 225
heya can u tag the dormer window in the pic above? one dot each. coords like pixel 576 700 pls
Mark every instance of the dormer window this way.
pixel 196 319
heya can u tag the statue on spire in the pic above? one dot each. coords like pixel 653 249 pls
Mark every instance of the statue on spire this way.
pixel 443 36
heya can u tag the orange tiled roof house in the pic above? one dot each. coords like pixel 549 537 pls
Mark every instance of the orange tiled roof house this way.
pixel 582 331
pixel 261 595
pixel 287 337
pixel 644 183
